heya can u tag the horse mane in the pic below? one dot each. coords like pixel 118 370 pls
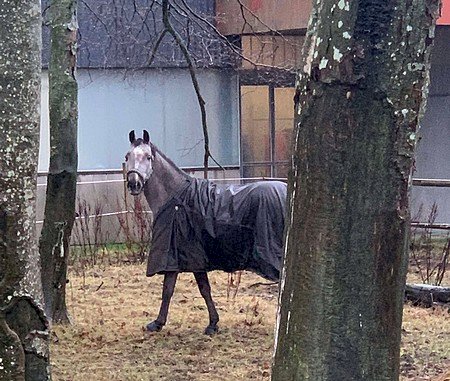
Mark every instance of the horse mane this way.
pixel 154 148
pixel 167 159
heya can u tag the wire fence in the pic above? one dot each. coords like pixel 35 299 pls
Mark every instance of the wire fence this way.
pixel 441 183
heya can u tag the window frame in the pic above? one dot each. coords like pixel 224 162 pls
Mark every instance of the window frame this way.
pixel 272 163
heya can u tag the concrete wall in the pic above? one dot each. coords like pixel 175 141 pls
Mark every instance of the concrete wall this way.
pixel 109 197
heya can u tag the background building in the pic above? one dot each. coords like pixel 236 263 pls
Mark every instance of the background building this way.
pixel 249 107
pixel 266 118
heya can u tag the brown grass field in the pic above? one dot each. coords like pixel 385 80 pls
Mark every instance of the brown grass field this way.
pixel 111 305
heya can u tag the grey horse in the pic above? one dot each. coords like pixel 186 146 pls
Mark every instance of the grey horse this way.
pixel 200 226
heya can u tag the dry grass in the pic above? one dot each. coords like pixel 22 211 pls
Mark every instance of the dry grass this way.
pixel 111 306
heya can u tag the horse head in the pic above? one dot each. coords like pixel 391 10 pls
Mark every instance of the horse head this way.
pixel 139 162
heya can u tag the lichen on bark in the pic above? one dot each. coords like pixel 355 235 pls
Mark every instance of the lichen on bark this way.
pixel 20 284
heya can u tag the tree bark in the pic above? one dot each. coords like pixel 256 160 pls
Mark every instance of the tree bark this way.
pixel 62 176
pixel 425 294
pixel 23 325
pixel 359 99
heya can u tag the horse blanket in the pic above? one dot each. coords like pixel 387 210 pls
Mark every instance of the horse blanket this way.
pixel 207 226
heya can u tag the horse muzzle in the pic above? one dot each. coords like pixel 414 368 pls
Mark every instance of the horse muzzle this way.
pixel 134 187
pixel 135 183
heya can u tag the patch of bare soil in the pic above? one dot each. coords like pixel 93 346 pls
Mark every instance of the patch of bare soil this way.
pixel 111 306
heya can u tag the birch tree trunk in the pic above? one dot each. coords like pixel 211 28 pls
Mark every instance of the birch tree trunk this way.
pixel 23 326
pixel 359 99
pixel 62 176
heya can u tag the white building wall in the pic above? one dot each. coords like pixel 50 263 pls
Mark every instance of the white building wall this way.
pixel 113 102
pixel 433 150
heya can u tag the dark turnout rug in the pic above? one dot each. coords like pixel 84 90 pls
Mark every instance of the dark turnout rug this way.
pixel 208 226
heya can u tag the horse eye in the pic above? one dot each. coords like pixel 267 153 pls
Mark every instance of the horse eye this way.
pixel 126 157
pixel 149 157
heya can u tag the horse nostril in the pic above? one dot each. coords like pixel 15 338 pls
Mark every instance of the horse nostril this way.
pixel 134 186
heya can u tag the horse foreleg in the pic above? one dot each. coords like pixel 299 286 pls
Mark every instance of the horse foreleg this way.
pixel 170 278
pixel 205 291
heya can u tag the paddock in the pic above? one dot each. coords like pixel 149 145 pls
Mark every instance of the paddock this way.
pixel 110 305
pixel 111 300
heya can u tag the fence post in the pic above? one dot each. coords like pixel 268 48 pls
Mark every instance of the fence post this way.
pixel 125 195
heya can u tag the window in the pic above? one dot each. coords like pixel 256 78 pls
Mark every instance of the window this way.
pixel 267 120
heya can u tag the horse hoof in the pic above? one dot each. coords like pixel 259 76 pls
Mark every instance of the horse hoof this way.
pixel 211 330
pixel 154 326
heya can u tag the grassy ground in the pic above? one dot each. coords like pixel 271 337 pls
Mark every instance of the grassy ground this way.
pixel 111 306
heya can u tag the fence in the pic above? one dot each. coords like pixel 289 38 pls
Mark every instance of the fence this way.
pixel 445 183
pixel 441 183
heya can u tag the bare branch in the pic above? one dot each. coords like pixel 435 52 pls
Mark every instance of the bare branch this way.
pixel 231 46
pixel 95 14
pixel 155 48
pixel 191 67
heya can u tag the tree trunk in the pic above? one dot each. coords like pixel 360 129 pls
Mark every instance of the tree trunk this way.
pixel 359 99
pixel 425 295
pixel 23 325
pixel 62 176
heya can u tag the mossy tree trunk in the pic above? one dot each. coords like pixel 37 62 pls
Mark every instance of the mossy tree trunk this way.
pixel 23 325
pixel 359 99
pixel 62 176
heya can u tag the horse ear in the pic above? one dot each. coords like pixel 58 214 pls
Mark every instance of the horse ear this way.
pixel 132 136
pixel 146 137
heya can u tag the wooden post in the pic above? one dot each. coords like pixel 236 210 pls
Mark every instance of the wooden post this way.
pixel 125 197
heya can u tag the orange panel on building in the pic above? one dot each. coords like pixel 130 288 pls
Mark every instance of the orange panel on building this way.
pixel 259 16
pixel 263 15
pixel 445 13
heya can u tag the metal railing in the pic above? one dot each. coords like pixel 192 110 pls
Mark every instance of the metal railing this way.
pixel 442 183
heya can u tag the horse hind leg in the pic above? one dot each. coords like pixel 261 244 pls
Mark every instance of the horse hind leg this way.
pixel 205 290
pixel 170 278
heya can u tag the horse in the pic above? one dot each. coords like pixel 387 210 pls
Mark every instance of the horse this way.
pixel 200 226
